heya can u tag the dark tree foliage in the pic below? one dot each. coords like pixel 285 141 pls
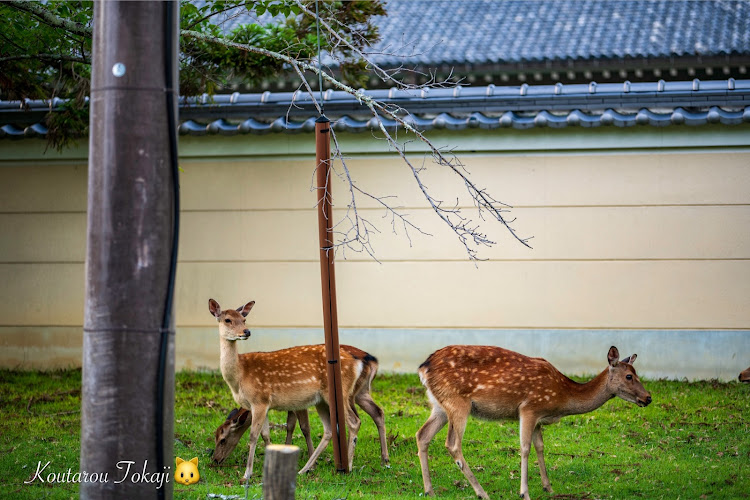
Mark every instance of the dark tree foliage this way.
pixel 45 49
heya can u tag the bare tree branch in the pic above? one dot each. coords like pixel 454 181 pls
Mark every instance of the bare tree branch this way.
pixel 217 12
pixel 50 18
pixel 465 229
pixel 48 57
pixel 335 35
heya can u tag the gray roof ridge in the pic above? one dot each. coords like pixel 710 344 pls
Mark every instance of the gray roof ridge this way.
pixel 624 104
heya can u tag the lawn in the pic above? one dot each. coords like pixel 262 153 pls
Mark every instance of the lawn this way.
pixel 690 443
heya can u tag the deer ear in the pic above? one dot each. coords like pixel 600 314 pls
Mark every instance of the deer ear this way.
pixel 232 413
pixel 613 356
pixel 631 359
pixel 243 417
pixel 245 310
pixel 214 308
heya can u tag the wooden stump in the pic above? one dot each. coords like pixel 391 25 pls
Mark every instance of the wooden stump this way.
pixel 280 472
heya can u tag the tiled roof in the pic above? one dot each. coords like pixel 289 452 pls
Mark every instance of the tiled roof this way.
pixel 501 31
pixel 656 104
pixel 454 32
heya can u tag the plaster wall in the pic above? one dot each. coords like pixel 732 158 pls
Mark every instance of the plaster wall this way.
pixel 643 246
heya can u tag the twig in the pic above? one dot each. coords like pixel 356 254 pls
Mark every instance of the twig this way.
pixel 50 18
pixel 48 57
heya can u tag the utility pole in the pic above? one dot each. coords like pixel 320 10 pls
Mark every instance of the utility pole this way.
pixel 128 348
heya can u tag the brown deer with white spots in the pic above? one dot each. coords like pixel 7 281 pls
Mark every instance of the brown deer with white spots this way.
pixel 494 383
pixel 289 380
pixel 238 421
pixel 745 376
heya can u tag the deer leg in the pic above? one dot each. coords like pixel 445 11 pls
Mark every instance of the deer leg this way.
pixel 325 419
pixel 456 427
pixel 432 426
pixel 353 423
pixel 304 426
pixel 265 433
pixel 291 422
pixel 365 401
pixel 259 414
pixel 536 437
pixel 527 424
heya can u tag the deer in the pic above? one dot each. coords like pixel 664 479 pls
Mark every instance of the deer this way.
pixel 229 433
pixel 745 376
pixel 238 421
pixel 288 379
pixel 493 383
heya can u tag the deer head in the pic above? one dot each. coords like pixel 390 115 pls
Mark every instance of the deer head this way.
pixel 229 433
pixel 231 321
pixel 623 381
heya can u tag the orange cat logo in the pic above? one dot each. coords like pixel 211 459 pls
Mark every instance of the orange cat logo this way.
pixel 186 472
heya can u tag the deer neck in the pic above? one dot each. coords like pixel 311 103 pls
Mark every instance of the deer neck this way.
pixel 588 396
pixel 230 364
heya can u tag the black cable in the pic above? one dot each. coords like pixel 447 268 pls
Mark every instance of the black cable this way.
pixel 170 92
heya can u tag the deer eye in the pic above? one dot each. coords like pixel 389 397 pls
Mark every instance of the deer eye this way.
pixel 629 376
pixel 227 320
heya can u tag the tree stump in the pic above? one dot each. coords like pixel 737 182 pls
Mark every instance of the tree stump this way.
pixel 280 472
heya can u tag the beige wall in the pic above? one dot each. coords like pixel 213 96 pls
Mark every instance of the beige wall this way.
pixel 648 247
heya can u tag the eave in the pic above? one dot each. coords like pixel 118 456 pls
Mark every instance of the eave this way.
pixel 522 107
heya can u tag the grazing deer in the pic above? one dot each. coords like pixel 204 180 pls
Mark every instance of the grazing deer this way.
pixel 745 376
pixel 229 433
pixel 289 380
pixel 494 383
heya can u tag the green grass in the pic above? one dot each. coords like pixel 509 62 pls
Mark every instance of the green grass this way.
pixel 691 443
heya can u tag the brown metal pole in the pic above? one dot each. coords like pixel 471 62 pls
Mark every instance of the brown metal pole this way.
pixel 328 282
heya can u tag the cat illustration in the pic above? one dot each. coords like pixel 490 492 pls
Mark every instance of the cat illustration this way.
pixel 186 472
